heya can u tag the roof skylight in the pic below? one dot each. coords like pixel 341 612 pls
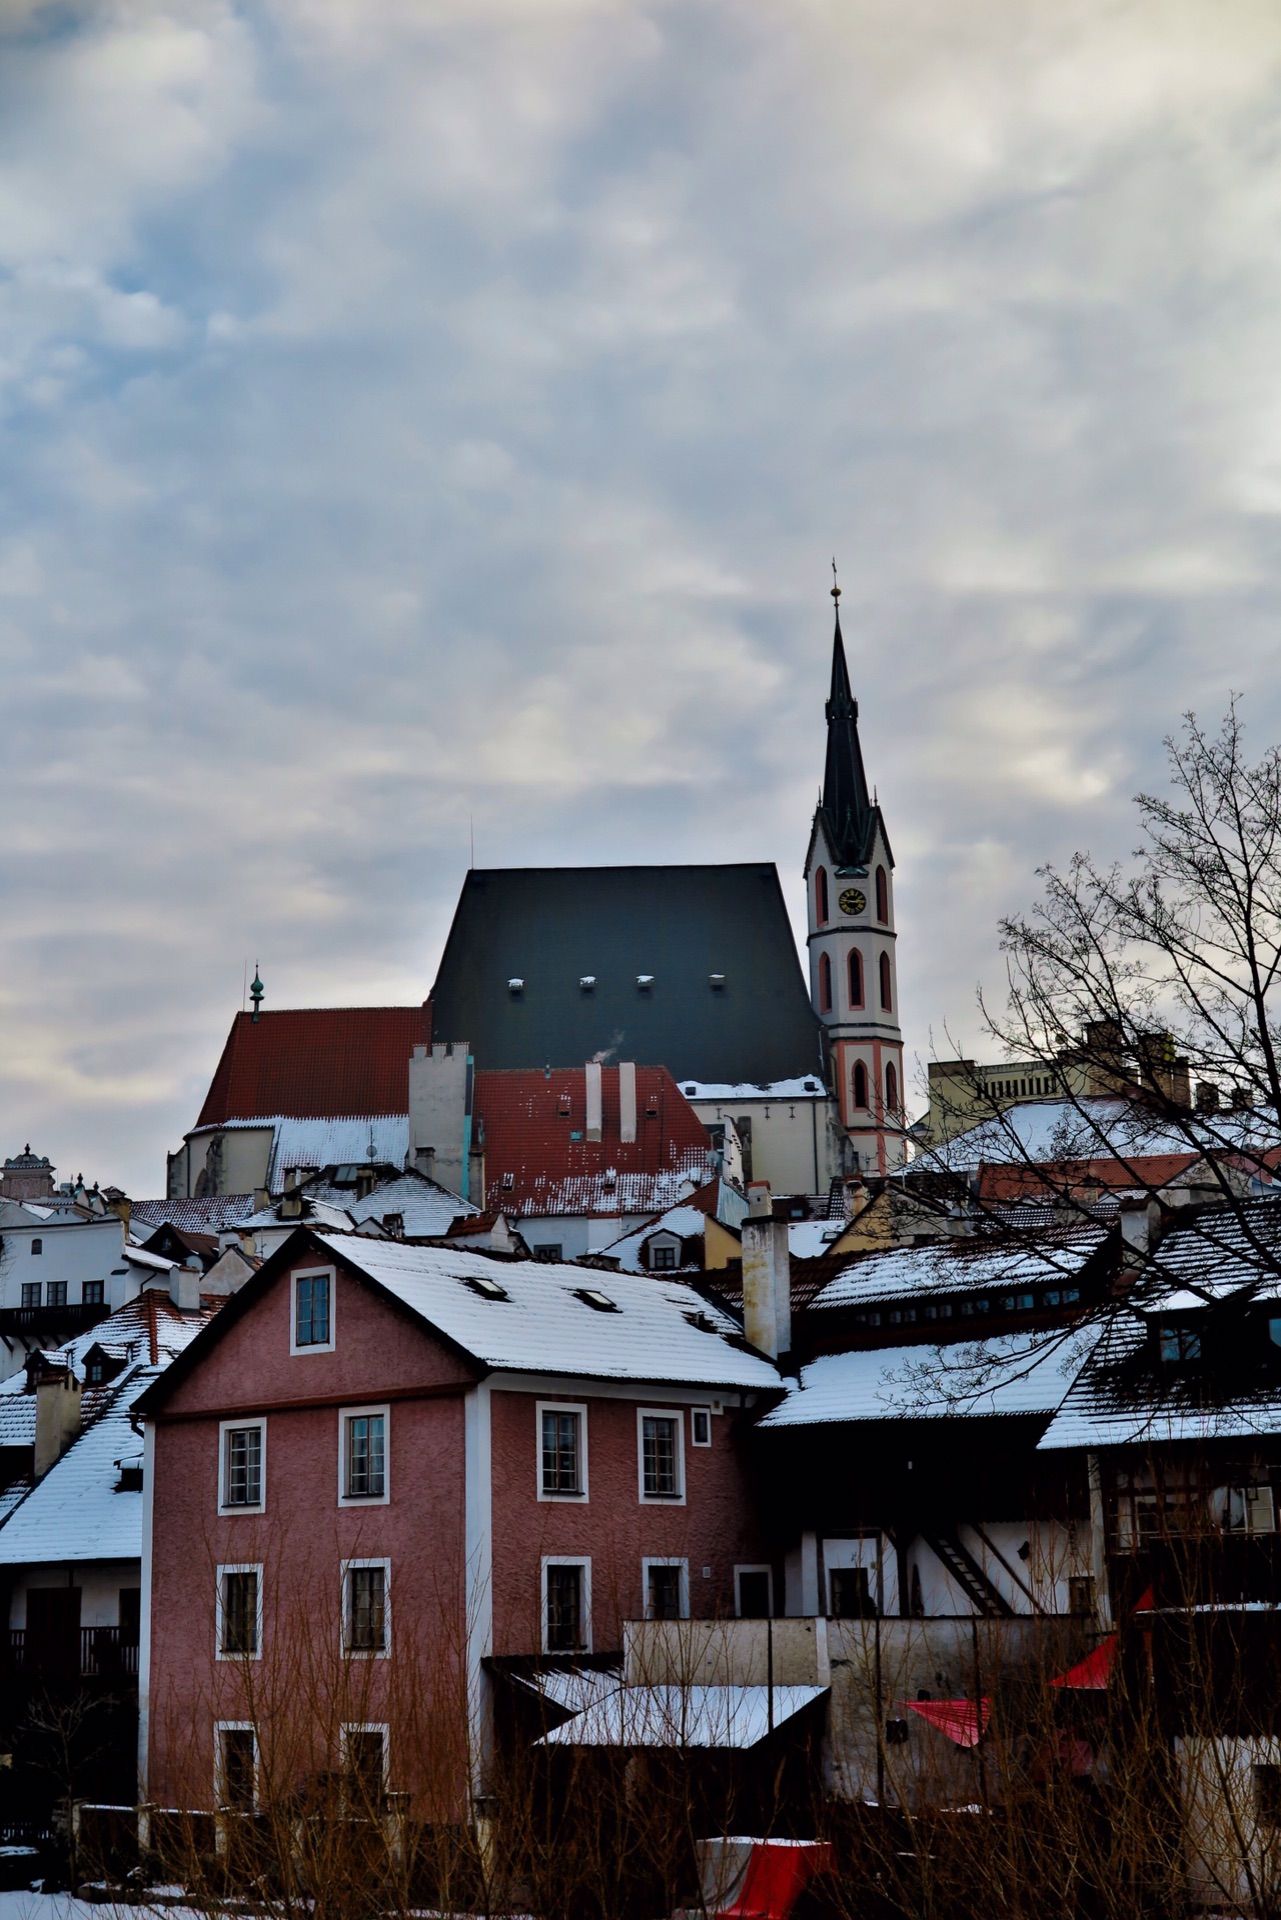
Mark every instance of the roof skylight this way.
pixel 601 1302
pixel 486 1288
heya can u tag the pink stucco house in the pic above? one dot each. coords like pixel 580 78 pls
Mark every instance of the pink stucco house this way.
pixel 384 1468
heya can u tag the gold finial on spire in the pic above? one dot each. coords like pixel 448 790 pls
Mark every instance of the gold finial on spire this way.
pixel 836 591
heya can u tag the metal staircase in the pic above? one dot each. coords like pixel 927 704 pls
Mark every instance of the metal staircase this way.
pixel 969 1576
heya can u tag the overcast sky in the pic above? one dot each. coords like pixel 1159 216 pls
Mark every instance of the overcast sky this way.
pixel 424 411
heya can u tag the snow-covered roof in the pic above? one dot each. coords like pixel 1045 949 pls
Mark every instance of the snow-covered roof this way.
pixel 1010 1374
pixel 1100 1413
pixel 685 1221
pixel 683 1717
pixel 1097 1128
pixel 804 1087
pixel 810 1239
pixel 657 1332
pixel 208 1213
pixel 426 1208
pixel 968 1265
pixel 75 1512
pixel 315 1213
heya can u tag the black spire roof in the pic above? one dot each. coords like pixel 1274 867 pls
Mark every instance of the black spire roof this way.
pixel 847 809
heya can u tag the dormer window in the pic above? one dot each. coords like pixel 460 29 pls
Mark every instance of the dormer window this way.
pixel 1179 1346
pixel 508 1182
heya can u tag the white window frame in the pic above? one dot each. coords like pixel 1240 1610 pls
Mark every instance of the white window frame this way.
pixel 349 1727
pixel 237 1566
pixel 225 1428
pixel 667 1240
pixel 661 1560
pixel 676 1416
pixel 312 1273
pixel 220 1779
pixel 752 1566
pixel 694 1440
pixel 583 1561
pixel 365 1653
pixel 561 1406
pixel 346 1499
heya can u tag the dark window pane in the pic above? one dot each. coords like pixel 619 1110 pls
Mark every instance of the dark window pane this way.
pixel 367 1609
pixel 366 1457
pixel 564 1609
pixel 659 1456
pixel 753 1595
pixel 561 1468
pixel 244 1467
pixel 364 1767
pixel 664 1597
pixel 851 1591
pixel 313 1311
pixel 31 1293
pixel 237 1783
pixel 240 1613
pixel 91 1293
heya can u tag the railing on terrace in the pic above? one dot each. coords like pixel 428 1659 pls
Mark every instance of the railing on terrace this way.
pixel 68 1319
pixel 92 1653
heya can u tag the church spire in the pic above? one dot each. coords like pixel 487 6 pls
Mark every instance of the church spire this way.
pixel 846 807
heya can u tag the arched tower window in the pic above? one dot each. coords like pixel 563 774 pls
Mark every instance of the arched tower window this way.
pixel 882 898
pixel 856 977
pixel 820 896
pixel 824 980
pixel 891 1089
pixel 860 1084
pixel 885 981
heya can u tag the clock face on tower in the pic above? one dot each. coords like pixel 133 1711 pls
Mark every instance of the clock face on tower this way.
pixel 852 901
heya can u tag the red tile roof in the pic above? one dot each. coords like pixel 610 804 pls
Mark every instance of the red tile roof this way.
pixel 535 1133
pixel 317 1062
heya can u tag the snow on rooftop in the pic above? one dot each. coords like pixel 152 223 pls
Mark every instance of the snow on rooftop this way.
pixel 1097 1128
pixel 75 1512
pixel 806 1087
pixel 209 1213
pixel 810 1239
pixel 683 1717
pixel 961 1265
pixel 686 1221
pixel 544 1326
pixel 1011 1374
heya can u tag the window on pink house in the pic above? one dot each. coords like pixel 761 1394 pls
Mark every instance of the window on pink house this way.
pixel 660 1456
pixel 562 1451
pixel 666 1589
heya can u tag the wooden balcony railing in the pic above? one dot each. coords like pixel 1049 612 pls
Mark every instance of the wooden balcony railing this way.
pixel 91 1653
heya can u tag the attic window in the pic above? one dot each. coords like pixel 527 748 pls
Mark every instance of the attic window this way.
pixel 587 981
pixel 515 988
pixel 1179 1345
pixel 487 1289
pixel 508 1182
pixel 716 981
pixel 691 1088
pixel 609 1180
pixel 644 981
pixel 600 1302
pixel 562 1106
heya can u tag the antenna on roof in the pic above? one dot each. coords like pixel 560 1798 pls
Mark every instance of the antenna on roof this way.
pixel 256 993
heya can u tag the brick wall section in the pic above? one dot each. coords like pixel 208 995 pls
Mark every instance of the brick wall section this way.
pixel 713 1528
pixel 299 1687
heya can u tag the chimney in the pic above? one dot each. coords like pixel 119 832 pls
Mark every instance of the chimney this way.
pixel 440 1089
pixel 57 1416
pixel 627 1101
pixel 1139 1217
pixel 184 1286
pixel 425 1162
pixel 595 1099
pixel 476 1177
pixel 262 1199
pixel 291 1201
pixel 767 1275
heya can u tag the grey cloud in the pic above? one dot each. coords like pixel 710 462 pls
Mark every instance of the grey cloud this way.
pixel 427 416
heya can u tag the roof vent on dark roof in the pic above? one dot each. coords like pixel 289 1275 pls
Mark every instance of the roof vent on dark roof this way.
pixel 587 982
pixel 716 981
pixel 702 1322
pixel 600 1302
pixel 486 1288
pixel 515 987
pixel 644 981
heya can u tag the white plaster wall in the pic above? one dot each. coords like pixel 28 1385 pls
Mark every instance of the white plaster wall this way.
pixel 74 1251
pixel 874 1552
pixel 784 1133
pixel 99 1581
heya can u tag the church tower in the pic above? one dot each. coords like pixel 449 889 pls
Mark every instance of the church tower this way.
pixel 849 887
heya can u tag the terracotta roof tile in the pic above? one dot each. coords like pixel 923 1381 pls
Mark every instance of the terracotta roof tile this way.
pixel 316 1062
pixel 538 1159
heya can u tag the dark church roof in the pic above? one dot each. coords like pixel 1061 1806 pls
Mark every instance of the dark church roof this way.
pixel 847 810
pixel 725 998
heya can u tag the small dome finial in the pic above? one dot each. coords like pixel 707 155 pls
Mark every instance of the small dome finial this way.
pixel 256 993
pixel 836 590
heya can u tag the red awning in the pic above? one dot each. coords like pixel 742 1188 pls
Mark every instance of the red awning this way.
pixel 964 1721
pixel 1092 1673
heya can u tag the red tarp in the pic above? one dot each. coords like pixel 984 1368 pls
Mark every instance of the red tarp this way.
pixel 775 1879
pixel 964 1721
pixel 1094 1671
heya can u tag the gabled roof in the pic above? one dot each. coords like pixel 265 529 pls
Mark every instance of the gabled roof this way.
pixel 552 927
pixel 655 1329
pixel 209 1213
pixel 539 1161
pixel 1093 1131
pixel 316 1062
pixel 960 1266
pixel 75 1512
